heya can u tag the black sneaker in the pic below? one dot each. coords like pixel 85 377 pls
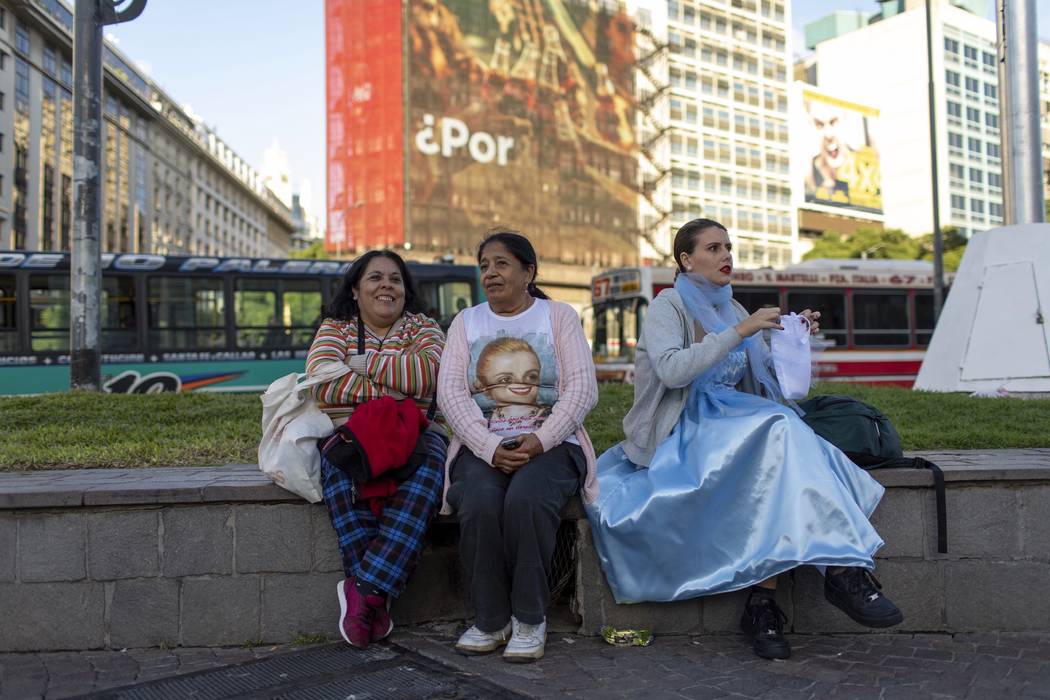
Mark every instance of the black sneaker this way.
pixel 858 593
pixel 763 624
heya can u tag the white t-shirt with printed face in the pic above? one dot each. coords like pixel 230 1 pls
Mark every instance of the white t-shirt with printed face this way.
pixel 513 373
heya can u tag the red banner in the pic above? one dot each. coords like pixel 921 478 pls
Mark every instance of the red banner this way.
pixel 365 156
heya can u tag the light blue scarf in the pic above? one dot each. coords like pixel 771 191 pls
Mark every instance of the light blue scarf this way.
pixel 711 306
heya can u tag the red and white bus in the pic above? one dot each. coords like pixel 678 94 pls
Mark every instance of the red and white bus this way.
pixel 876 314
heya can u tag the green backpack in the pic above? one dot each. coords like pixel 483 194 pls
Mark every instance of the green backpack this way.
pixel 871 441
pixel 862 431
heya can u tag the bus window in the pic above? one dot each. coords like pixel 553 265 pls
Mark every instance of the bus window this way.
pixel 255 311
pixel 452 297
pixel 49 313
pixel 186 313
pixel 276 313
pixel 923 318
pixel 755 299
pixel 119 330
pixel 301 310
pixel 616 325
pixel 832 308
pixel 880 319
pixel 8 315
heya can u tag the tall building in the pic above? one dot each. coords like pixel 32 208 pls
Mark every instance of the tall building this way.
pixel 884 64
pixel 170 184
pixel 729 122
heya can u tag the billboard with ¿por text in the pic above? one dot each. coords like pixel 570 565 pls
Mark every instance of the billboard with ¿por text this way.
pixel 522 114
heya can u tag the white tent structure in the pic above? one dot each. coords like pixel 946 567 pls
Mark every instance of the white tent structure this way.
pixel 993 332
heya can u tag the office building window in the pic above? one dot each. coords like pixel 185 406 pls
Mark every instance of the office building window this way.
pixel 991 120
pixel 995 180
pixel 21 38
pixel 48 61
pixel 973 85
pixel 991 91
pixel 956 171
pixel 976 176
pixel 952 78
pixel 955 140
pixel 973 115
pixel 970 53
pixel 951 45
pixel 954 109
pixel 995 210
pixel 958 202
pixel 989 59
pixel 974 145
pixel 21 85
pixel 977 206
pixel 992 149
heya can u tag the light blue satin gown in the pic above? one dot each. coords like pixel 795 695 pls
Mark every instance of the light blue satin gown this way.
pixel 741 490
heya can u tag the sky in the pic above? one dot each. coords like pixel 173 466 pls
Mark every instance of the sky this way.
pixel 254 69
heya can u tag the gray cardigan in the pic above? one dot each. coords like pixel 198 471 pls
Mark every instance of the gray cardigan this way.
pixel 671 353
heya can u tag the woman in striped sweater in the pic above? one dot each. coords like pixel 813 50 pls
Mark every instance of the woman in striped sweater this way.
pixel 517 381
pixel 379 538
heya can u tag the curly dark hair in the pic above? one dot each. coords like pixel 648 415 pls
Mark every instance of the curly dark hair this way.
pixel 344 307
pixel 518 246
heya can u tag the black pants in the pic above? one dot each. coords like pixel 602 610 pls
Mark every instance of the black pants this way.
pixel 507 526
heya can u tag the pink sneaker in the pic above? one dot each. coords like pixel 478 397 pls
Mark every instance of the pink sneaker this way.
pixel 382 625
pixel 355 615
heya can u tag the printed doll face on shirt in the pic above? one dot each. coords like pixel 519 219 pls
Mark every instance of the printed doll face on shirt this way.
pixel 508 372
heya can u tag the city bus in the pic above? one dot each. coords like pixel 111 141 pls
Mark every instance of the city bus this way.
pixel 181 323
pixel 876 315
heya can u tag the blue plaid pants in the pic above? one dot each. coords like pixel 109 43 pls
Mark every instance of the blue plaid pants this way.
pixel 383 551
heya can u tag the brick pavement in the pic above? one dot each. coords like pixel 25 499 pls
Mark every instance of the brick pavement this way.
pixel 980 666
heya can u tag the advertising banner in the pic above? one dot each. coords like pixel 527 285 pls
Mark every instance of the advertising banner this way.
pixel 521 113
pixel 365 154
pixel 837 143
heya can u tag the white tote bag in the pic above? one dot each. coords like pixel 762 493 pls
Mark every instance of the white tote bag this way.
pixel 291 426
pixel 792 356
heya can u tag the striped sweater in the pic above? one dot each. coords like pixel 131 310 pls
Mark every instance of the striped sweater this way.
pixel 404 364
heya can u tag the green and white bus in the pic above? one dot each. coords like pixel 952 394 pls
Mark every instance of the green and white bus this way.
pixel 178 323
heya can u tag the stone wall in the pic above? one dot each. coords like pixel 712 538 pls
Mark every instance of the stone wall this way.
pixel 998 559
pixel 218 556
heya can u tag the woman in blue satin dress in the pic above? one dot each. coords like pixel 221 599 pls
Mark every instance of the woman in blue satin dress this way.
pixel 719 485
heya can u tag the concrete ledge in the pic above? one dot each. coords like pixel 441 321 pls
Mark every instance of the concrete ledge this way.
pixel 218 555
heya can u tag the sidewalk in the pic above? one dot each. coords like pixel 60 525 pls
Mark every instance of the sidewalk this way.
pixel 420 663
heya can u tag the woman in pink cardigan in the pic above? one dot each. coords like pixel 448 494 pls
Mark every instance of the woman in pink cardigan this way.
pixel 516 382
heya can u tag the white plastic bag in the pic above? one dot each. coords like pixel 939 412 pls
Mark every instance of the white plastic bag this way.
pixel 791 356
pixel 291 426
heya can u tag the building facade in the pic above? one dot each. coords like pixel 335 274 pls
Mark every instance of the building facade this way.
pixel 884 64
pixel 729 78
pixel 170 184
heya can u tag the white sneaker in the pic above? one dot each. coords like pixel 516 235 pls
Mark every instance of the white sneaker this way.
pixel 527 642
pixel 474 641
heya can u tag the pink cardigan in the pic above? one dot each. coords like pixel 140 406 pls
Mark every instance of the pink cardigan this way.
pixel 577 386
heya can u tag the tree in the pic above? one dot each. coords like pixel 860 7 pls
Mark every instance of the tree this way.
pixel 890 244
pixel 314 251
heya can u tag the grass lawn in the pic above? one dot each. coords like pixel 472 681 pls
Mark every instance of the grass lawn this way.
pixel 58 431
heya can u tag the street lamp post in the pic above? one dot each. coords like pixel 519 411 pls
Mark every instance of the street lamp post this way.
pixel 1015 24
pixel 85 367
pixel 938 243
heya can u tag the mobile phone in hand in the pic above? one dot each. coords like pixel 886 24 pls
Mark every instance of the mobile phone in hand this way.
pixel 511 443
